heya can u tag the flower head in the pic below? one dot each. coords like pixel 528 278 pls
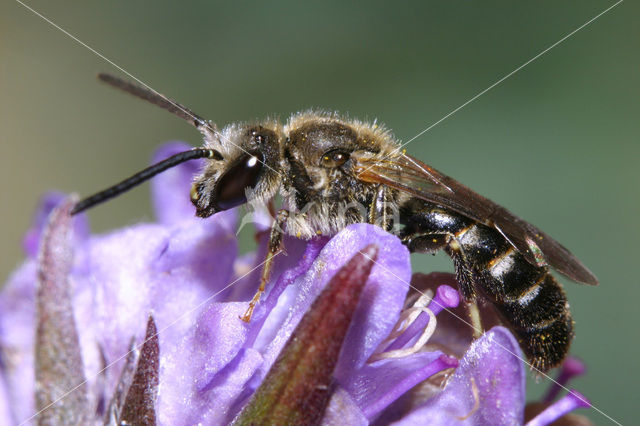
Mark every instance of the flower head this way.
pixel 145 321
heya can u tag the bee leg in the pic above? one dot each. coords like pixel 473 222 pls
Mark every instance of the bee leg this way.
pixel 425 242
pixel 464 271
pixel 275 244
pixel 380 212
pixel 433 242
pixel 474 317
pixel 466 279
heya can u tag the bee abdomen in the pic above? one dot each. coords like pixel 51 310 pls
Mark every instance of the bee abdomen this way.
pixel 539 306
pixel 538 315
pixel 529 298
pixel 509 277
pixel 547 347
pixel 530 301
pixel 482 244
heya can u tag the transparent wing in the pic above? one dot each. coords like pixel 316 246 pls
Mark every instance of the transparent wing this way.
pixel 407 174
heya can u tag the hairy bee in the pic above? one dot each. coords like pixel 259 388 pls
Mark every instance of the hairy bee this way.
pixel 332 172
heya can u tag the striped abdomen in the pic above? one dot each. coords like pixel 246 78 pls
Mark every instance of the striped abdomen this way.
pixel 528 297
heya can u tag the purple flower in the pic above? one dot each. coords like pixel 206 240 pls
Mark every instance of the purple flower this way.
pixel 179 286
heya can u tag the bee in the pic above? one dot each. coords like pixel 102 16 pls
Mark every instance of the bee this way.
pixel 332 172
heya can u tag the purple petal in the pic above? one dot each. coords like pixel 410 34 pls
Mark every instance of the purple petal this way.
pixel 445 297
pixel 453 334
pixel 493 366
pixel 221 401
pixel 563 406
pixel 193 364
pixel 297 256
pixel 343 410
pixel 170 190
pixel 298 385
pixel 380 304
pixel 17 334
pixel 200 254
pixel 121 282
pixel 571 367
pixel 5 411
pixel 382 300
pixel 215 346
pixel 177 273
pixel 374 387
pixel 271 313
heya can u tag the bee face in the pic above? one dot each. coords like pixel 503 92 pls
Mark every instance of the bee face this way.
pixel 248 170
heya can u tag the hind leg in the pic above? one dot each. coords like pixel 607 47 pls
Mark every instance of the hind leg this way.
pixel 434 242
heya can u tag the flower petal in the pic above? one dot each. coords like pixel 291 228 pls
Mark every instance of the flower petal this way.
pixel 445 297
pixel 570 368
pixel 560 409
pixel 298 385
pixel 221 401
pixel 488 388
pixel 343 410
pixel 374 387
pixel 5 411
pixel 192 365
pixel 454 333
pixel 17 334
pixel 170 189
pixel 297 256
pixel 282 291
pixel 120 282
pixel 380 303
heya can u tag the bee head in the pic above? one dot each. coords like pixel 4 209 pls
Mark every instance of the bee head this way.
pixel 248 169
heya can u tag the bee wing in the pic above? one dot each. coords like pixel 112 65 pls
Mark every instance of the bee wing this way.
pixel 407 174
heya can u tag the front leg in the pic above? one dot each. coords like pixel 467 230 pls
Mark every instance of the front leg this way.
pixel 274 248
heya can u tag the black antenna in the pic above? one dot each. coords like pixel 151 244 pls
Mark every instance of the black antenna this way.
pixel 158 99
pixel 144 175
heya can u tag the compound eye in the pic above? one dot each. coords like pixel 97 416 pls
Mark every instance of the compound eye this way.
pixel 243 174
pixel 334 158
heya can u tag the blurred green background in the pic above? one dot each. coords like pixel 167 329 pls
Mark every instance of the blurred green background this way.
pixel 557 142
